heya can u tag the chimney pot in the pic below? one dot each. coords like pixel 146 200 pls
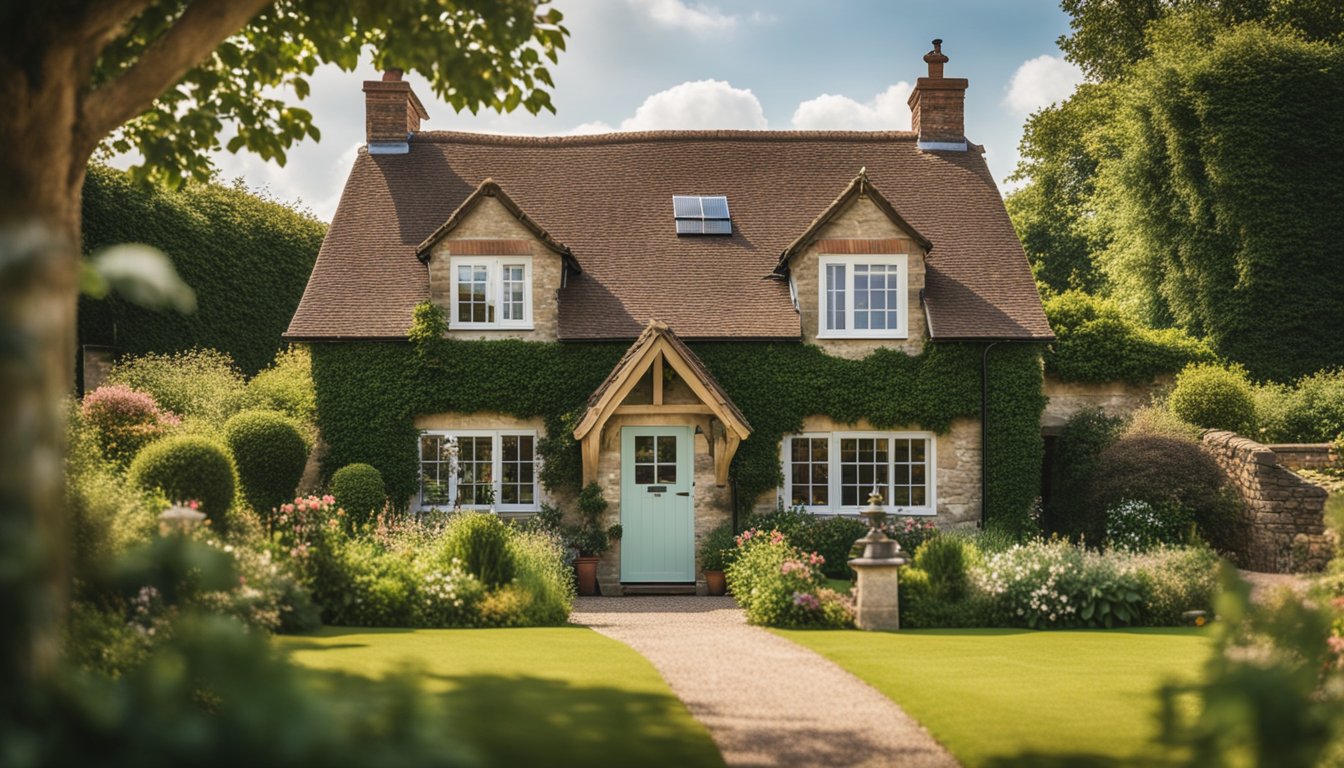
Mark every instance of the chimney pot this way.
pixel 392 75
pixel 938 106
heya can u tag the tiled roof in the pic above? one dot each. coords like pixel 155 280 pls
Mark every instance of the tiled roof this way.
pixel 608 199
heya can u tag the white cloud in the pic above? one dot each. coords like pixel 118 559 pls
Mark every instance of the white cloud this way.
pixel 595 126
pixel 1040 82
pixel 676 14
pixel 887 111
pixel 700 104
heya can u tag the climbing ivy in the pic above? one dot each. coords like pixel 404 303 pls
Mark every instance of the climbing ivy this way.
pixel 369 393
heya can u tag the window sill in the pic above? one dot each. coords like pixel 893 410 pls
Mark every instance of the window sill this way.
pixel 854 512
pixel 832 336
pixel 489 327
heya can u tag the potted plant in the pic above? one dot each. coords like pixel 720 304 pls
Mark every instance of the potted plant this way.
pixel 590 538
pixel 716 552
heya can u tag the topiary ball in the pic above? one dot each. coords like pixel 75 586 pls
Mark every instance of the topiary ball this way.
pixel 359 490
pixel 1214 397
pixel 189 468
pixel 270 454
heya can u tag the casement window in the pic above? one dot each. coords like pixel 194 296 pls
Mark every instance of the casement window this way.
pixel 478 469
pixel 863 297
pixel 835 472
pixel 491 292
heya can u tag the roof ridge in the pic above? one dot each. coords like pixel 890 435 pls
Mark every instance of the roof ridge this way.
pixel 633 137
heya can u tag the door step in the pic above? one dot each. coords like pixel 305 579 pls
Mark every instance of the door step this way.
pixel 630 590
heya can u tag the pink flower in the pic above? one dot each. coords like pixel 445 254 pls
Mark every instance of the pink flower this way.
pixel 194 504
pixel 328 499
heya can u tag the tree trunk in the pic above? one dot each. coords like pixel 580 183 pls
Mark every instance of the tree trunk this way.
pixel 41 175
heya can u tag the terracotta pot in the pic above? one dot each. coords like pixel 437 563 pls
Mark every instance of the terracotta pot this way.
pixel 715 583
pixel 586 567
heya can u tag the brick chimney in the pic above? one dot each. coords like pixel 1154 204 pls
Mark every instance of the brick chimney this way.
pixel 938 106
pixel 392 112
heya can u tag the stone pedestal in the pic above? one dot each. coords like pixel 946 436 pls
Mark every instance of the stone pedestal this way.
pixel 878 606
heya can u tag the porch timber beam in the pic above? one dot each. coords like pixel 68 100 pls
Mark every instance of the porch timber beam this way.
pixel 657 380
pixel 592 450
pixel 678 408
pixel 723 457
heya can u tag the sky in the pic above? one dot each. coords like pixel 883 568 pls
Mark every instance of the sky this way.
pixel 748 64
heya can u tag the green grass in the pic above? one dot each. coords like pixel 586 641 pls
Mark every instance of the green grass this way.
pixel 843 586
pixel 555 696
pixel 1014 697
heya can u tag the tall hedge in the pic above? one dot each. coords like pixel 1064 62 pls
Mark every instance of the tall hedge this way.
pixel 1097 342
pixel 1223 200
pixel 368 395
pixel 247 257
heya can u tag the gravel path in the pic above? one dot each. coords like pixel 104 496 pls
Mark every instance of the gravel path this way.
pixel 765 700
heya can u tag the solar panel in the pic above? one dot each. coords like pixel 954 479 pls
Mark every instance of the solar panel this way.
pixel 701 215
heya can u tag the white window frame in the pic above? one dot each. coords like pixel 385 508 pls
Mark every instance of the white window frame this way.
pixel 901 331
pixel 496 468
pixel 930 506
pixel 494 290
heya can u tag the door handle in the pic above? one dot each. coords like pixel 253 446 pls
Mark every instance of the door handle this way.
pixel 683 493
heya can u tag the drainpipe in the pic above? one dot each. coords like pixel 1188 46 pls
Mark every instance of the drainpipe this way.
pixel 732 484
pixel 984 433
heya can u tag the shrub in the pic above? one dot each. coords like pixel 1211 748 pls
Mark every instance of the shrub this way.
pixel 199 384
pixel 790 521
pixel 947 561
pixel 358 489
pixel 287 386
pixel 1055 584
pixel 1086 434
pixel 481 541
pixel 1139 526
pixel 1214 397
pixel 187 468
pixel 1174 580
pixel 1164 472
pixel 124 421
pixel 1154 420
pixel 921 610
pixel 1310 411
pixel 543 581
pixel 718 549
pixel 910 532
pixel 833 538
pixel 781 586
pixel 1097 342
pixel 270 454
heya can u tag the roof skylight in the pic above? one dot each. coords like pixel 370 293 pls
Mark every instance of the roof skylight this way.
pixel 701 215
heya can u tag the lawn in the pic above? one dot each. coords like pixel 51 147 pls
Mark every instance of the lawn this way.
pixel 1013 697
pixel 549 696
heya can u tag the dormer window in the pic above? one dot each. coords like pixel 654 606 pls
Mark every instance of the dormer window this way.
pixel 491 292
pixel 863 297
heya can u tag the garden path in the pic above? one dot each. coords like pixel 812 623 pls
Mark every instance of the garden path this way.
pixel 765 700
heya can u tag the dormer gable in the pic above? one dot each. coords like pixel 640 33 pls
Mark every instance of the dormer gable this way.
pixel 495 271
pixel 856 275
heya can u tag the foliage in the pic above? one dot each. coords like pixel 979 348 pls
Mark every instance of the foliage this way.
pixel 1139 526
pixel 200 384
pixel 947 560
pixel 910 532
pixel 1086 434
pixel 1214 397
pixel 1157 420
pixel 1309 411
pixel 779 585
pixel 1270 693
pixel 1055 584
pixel 246 255
pixel 413 572
pixel 833 536
pixel 1170 474
pixel 359 490
pixel 270 455
pixel 775 385
pixel 1097 342
pixel 286 386
pixel 1215 223
pixel 189 468
pixel 481 541
pixel 1175 580
pixel 474 54
pixel 718 548
pixel 589 537
pixel 124 421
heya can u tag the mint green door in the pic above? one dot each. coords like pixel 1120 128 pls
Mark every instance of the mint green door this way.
pixel 658 539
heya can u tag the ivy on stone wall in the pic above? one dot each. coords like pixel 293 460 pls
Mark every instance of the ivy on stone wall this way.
pixel 1097 342
pixel 247 258
pixel 369 393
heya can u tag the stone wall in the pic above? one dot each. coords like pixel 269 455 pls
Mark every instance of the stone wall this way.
pixel 861 220
pixel 1117 398
pixel 1297 456
pixel 1285 513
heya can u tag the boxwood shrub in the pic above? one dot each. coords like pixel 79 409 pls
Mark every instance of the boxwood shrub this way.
pixel 1214 397
pixel 270 454
pixel 359 490
pixel 189 468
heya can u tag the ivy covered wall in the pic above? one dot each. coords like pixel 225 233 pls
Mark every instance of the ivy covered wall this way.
pixel 369 393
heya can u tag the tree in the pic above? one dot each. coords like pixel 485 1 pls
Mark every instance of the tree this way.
pixel 1222 201
pixel 165 78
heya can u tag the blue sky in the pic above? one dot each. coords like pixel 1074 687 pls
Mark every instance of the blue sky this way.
pixel 643 64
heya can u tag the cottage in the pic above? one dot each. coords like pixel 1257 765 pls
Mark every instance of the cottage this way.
pixel 701 322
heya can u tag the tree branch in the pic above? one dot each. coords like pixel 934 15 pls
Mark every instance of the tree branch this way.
pixel 202 27
pixel 103 21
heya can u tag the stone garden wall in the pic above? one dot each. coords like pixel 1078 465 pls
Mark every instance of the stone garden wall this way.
pixel 1297 456
pixel 1285 513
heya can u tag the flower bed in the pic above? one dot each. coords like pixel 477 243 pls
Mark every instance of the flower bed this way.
pixel 780 585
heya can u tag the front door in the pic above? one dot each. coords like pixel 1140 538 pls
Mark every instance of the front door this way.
pixel 658 539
